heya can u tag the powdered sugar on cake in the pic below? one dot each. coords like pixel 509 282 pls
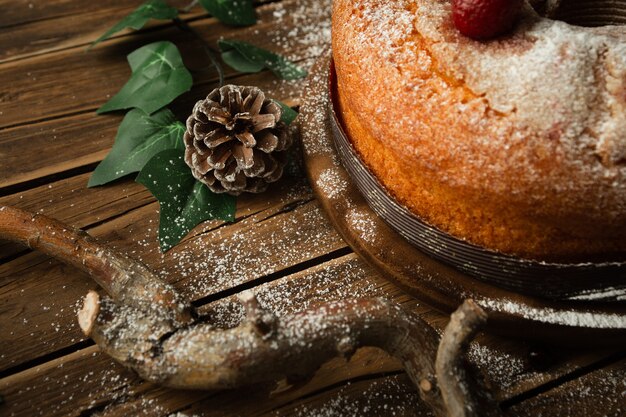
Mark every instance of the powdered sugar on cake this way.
pixel 540 111
pixel 549 74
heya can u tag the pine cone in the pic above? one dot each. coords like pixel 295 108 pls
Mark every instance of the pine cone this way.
pixel 235 141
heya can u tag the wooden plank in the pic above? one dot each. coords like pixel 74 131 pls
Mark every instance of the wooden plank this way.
pixel 249 401
pixel 516 366
pixel 54 34
pixel 20 12
pixel 216 258
pixel 89 79
pixel 598 394
pixel 34 151
pixel 384 396
pixel 58 390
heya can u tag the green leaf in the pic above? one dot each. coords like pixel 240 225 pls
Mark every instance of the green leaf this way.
pixel 231 12
pixel 289 114
pixel 245 57
pixel 152 9
pixel 139 137
pixel 158 77
pixel 185 202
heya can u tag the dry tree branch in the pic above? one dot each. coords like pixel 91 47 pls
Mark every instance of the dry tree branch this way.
pixel 265 347
pixel 149 328
pixel 462 400
pixel 126 280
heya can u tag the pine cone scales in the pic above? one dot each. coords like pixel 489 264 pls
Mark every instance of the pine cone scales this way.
pixel 235 141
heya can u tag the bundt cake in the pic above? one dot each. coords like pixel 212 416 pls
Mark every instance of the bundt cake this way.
pixel 515 144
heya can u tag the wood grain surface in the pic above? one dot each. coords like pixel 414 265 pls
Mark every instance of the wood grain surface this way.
pixel 281 245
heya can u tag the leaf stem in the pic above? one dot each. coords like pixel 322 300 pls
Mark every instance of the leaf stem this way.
pixel 208 49
pixel 188 7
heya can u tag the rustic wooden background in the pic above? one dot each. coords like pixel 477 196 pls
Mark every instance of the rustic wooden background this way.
pixel 280 245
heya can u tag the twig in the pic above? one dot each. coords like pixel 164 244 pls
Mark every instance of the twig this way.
pixel 151 329
pixel 460 398
pixel 208 49
pixel 126 280
pixel 188 7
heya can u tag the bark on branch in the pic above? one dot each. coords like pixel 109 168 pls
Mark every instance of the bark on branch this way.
pixel 453 372
pixel 148 327
pixel 126 280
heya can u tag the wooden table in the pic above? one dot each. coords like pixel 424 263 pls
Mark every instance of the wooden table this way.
pixel 280 245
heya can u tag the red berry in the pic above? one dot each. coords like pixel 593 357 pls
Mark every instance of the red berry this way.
pixel 484 19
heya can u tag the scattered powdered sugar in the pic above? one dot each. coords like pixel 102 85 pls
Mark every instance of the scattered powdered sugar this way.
pixel 315 137
pixel 591 319
pixel 331 183
pixel 328 282
pixel 601 393
pixel 301 31
pixel 309 27
pixel 610 293
pixel 502 369
pixel 392 396
pixel 363 222
pixel 544 64
pixel 228 258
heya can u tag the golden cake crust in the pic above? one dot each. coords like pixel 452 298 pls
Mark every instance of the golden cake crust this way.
pixel 517 145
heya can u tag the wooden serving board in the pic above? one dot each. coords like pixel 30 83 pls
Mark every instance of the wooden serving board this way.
pixel 431 281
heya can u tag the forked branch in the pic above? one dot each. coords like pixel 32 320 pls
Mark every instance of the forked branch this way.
pixel 164 344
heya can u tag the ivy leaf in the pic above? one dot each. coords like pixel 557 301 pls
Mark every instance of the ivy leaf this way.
pixel 231 12
pixel 159 76
pixel 289 114
pixel 185 202
pixel 245 57
pixel 139 137
pixel 152 9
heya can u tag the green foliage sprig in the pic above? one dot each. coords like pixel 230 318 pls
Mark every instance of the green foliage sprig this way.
pixel 159 76
pixel 139 137
pixel 149 139
pixel 184 201
pixel 152 9
pixel 238 13
pixel 245 57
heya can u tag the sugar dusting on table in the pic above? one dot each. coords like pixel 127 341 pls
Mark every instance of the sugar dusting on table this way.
pixel 331 184
pixel 389 396
pixel 563 317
